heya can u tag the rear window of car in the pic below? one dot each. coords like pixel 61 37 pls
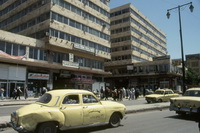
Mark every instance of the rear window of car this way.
pixel 159 92
pixel 46 98
pixel 195 93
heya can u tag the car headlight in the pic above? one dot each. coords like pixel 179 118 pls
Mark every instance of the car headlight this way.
pixel 172 101
pixel 14 118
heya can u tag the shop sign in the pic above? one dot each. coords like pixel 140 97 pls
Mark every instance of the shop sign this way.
pixel 83 47
pixel 70 64
pixel 65 74
pixel 83 79
pixel 38 76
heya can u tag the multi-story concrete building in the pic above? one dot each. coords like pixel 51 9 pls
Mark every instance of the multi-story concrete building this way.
pixel 193 62
pixel 62 43
pixel 135 41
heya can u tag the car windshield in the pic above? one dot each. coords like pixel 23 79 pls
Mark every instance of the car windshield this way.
pixel 195 93
pixel 159 92
pixel 46 98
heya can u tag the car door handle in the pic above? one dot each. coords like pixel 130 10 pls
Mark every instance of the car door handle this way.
pixel 62 107
pixel 85 107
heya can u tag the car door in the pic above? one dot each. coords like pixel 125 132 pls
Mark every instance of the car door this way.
pixel 72 110
pixel 93 110
pixel 171 94
pixel 168 95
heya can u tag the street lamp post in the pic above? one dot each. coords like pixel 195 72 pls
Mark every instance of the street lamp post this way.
pixel 181 39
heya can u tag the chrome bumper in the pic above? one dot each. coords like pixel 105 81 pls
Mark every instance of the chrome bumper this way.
pixel 16 128
pixel 192 110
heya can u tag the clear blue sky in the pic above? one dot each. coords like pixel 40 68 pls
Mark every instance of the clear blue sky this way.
pixel 156 10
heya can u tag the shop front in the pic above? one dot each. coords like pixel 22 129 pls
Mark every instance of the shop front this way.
pixel 82 81
pixel 36 81
pixel 11 77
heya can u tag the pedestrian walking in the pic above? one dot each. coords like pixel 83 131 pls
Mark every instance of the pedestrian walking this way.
pixel 132 93
pixel 14 93
pixel 137 93
pixel 124 92
pixel 2 93
pixel 102 95
pixel 114 94
pixel 19 91
pixel 120 94
pixel 44 90
pixel 26 93
pixel 107 91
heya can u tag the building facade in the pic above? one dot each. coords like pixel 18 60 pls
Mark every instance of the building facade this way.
pixel 193 62
pixel 53 43
pixel 135 41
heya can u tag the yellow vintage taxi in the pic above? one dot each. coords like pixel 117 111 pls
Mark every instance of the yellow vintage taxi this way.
pixel 188 103
pixel 161 95
pixel 66 109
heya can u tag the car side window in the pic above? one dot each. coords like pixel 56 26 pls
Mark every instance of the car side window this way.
pixel 170 92
pixel 89 99
pixel 71 99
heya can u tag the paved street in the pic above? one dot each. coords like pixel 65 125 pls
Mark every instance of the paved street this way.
pixel 146 122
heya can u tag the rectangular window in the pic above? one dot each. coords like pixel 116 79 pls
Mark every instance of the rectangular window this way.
pixel 15 50
pixel 2 45
pixel 22 50
pixel 8 48
pixel 31 53
pixel 41 53
pixel 35 54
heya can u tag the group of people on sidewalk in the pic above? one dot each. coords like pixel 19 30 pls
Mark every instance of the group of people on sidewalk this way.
pixel 120 93
pixel 17 92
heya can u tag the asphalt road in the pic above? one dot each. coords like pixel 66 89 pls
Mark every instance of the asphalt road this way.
pixel 146 122
pixel 7 110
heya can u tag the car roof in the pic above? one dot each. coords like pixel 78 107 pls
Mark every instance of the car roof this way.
pixel 194 88
pixel 68 91
pixel 164 89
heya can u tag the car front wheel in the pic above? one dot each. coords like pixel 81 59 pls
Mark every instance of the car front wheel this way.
pixel 115 120
pixel 159 100
pixel 48 127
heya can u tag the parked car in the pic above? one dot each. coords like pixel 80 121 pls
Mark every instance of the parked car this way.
pixel 65 109
pixel 161 95
pixel 188 103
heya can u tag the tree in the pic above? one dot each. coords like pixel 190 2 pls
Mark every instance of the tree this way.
pixel 192 78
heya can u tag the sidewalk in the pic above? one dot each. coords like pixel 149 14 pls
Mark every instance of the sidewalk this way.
pixel 129 109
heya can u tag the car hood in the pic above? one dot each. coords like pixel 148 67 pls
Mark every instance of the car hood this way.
pixel 186 98
pixel 154 96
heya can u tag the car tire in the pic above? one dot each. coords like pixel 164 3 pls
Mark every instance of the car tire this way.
pixel 115 120
pixel 148 101
pixel 159 100
pixel 48 127
pixel 181 113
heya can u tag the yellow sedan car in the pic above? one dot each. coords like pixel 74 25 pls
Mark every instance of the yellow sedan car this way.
pixel 161 95
pixel 66 109
pixel 188 103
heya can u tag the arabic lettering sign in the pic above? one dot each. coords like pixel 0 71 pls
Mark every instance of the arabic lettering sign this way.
pixel 38 76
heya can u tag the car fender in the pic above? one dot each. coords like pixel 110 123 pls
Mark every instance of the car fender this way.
pixel 32 120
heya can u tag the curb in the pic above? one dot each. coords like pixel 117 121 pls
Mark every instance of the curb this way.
pixel 147 109
pixel 14 104
pixel 5 125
